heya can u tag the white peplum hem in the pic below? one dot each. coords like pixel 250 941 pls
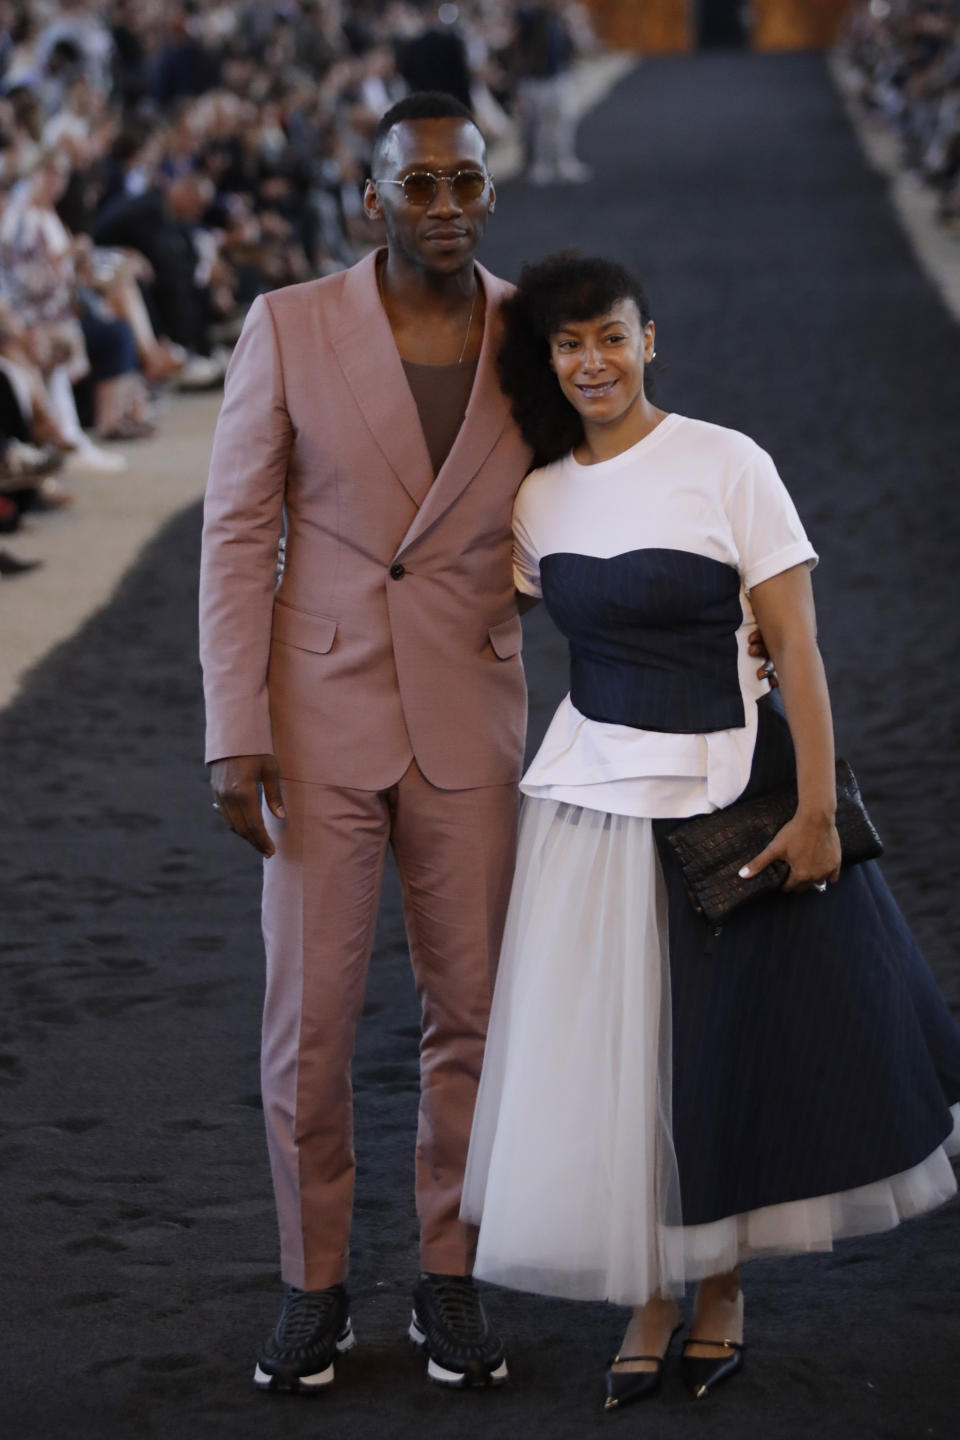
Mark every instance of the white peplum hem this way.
pixel 626 771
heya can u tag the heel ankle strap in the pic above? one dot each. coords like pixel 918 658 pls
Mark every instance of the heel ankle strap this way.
pixel 720 1344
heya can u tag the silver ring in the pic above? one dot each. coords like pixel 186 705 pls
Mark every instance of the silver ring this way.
pixel 217 806
pixel 821 886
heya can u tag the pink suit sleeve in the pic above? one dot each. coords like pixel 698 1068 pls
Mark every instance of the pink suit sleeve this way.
pixel 243 520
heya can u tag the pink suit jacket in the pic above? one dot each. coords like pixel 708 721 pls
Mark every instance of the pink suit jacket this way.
pixel 394 633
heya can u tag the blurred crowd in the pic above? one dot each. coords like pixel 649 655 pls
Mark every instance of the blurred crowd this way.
pixel 162 162
pixel 904 60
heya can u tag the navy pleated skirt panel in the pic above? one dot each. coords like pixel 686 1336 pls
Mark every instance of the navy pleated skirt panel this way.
pixel 813 1051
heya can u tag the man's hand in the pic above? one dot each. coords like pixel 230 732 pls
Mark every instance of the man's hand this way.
pixel 758 649
pixel 235 782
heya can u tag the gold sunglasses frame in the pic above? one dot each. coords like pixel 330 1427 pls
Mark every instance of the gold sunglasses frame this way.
pixel 438 180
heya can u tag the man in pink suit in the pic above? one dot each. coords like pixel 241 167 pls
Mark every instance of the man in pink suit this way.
pixel 377 698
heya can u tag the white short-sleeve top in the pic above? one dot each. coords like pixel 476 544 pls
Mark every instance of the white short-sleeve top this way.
pixel 689 489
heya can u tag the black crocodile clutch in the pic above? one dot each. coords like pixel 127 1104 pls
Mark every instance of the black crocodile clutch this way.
pixel 712 848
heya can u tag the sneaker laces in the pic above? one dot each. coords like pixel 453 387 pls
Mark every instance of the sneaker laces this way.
pixel 458 1305
pixel 302 1315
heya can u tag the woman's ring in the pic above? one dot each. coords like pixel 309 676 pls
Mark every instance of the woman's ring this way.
pixel 821 885
pixel 217 806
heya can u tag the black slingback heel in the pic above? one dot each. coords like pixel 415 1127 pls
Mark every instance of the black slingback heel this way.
pixel 627 1385
pixel 702 1376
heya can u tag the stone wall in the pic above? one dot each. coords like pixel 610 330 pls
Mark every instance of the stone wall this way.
pixel 651 27
pixel 656 27
pixel 796 24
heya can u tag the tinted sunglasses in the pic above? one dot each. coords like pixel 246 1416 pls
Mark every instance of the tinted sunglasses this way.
pixel 421 187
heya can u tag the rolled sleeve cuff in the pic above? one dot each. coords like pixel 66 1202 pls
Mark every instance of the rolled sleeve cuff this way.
pixel 800 553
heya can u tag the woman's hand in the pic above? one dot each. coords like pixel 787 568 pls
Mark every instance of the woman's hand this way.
pixel 757 647
pixel 809 845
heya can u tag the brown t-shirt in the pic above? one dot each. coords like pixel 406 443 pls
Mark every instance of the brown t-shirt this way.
pixel 442 393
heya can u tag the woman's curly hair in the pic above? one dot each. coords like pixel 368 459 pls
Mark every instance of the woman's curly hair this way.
pixel 551 292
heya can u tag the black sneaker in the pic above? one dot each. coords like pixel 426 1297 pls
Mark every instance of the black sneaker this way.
pixel 449 1319
pixel 314 1327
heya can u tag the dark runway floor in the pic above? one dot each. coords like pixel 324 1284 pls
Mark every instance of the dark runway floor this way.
pixel 139 1254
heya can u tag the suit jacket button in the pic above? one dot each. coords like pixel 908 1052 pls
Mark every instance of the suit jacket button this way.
pixel 397 571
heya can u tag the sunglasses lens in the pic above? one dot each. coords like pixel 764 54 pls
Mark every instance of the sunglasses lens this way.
pixel 420 187
pixel 468 185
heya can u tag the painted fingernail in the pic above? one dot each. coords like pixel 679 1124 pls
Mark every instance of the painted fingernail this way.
pixel 744 872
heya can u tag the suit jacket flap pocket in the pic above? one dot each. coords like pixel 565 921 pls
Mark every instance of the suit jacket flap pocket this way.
pixel 507 637
pixel 303 629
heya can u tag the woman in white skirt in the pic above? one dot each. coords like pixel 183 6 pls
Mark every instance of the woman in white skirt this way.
pixel 662 1099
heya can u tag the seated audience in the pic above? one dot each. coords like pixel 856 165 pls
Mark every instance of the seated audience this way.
pixel 163 164
pixel 903 61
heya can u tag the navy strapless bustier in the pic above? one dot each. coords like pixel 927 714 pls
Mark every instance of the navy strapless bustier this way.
pixel 652 636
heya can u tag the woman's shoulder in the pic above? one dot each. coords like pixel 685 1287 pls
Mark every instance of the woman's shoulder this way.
pixel 721 442
pixel 541 481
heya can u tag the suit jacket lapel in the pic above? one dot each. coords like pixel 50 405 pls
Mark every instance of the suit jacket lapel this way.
pixel 368 356
pixel 487 413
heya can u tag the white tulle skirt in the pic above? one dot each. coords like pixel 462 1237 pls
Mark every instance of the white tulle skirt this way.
pixel 571 1173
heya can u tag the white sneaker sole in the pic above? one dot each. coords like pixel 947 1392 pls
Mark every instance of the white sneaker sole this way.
pixel 307 1384
pixel 443 1376
pixel 91 460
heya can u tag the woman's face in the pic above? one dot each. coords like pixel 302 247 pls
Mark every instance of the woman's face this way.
pixel 599 363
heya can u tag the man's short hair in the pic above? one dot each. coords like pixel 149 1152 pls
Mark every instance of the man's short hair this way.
pixel 421 105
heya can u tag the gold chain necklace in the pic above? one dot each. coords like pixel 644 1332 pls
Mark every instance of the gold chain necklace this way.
pixel 473 309
pixel 463 347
